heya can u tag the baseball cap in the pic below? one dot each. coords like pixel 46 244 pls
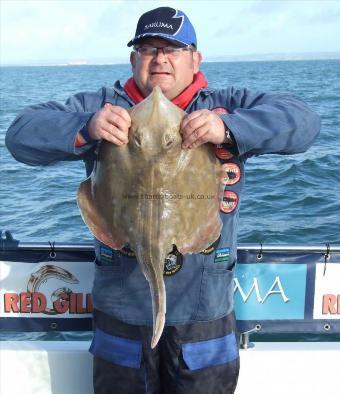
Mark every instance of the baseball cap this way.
pixel 168 23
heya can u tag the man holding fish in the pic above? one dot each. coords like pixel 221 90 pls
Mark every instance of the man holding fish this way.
pixel 194 346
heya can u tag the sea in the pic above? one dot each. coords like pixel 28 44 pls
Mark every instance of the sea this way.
pixel 291 199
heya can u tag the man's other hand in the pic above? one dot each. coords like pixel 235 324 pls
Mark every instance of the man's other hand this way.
pixel 110 123
pixel 200 127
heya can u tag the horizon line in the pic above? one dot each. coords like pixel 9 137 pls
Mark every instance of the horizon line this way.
pixel 278 56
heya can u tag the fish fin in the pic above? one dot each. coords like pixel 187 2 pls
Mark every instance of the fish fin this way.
pixel 205 236
pixel 93 217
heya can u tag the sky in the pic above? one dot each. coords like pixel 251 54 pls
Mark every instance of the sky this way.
pixel 71 31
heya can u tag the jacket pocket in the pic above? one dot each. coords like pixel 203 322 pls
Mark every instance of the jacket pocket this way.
pixel 107 290
pixel 211 352
pixel 216 293
pixel 116 350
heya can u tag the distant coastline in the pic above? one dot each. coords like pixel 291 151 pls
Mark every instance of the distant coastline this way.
pixel 209 59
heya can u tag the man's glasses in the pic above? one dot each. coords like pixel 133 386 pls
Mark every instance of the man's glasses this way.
pixel 148 51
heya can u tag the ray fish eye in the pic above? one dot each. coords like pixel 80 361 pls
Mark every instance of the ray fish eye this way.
pixel 138 139
pixel 168 139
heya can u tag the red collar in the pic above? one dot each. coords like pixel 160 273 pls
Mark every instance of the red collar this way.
pixel 182 100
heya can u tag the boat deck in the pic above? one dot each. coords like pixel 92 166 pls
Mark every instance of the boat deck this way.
pixel 65 367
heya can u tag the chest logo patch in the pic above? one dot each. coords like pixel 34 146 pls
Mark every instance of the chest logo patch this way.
pixel 173 263
pixel 222 255
pixel 106 256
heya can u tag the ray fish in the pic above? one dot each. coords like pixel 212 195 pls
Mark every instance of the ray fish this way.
pixel 152 195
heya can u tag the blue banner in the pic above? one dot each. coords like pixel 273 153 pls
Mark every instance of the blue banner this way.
pixel 270 291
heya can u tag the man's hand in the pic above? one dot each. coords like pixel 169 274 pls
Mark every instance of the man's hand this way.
pixel 111 123
pixel 200 127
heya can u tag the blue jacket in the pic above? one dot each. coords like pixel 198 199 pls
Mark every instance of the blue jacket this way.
pixel 202 289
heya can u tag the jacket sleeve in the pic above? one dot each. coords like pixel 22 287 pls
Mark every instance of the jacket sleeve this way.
pixel 45 133
pixel 269 122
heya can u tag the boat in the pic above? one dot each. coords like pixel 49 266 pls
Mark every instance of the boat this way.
pixel 287 304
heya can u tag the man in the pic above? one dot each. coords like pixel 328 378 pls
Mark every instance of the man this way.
pixel 198 350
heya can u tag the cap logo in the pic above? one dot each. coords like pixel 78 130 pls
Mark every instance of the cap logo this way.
pixel 158 24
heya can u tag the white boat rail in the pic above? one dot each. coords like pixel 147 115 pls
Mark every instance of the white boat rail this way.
pixel 256 247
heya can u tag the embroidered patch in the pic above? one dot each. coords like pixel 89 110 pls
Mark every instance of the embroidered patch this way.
pixel 173 263
pixel 106 256
pixel 222 255
pixel 229 202
pixel 231 174
pixel 212 247
pixel 222 153
pixel 126 251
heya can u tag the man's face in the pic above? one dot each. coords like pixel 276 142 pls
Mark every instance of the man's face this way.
pixel 171 74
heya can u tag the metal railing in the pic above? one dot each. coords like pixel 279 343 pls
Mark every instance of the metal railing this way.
pixel 256 247
pixel 7 242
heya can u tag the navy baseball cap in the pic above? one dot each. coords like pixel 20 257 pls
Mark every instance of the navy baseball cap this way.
pixel 167 23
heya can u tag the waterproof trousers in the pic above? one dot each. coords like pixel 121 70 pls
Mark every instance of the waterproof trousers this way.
pixel 200 358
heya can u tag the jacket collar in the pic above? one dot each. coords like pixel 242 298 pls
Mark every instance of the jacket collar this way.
pixel 182 100
pixel 118 88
